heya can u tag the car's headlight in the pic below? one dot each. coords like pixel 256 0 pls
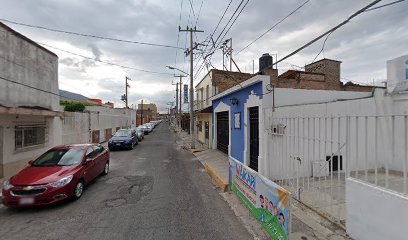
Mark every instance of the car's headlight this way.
pixel 62 182
pixel 7 185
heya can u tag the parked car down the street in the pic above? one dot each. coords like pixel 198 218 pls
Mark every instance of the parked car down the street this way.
pixel 123 138
pixel 149 127
pixel 145 129
pixel 59 174
pixel 139 133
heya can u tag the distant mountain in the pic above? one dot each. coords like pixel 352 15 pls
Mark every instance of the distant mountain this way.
pixel 67 96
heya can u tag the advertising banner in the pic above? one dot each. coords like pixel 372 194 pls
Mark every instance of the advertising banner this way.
pixel 397 74
pixel 267 201
pixel 185 93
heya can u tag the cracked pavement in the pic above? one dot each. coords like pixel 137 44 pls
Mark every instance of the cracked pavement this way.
pixel 156 191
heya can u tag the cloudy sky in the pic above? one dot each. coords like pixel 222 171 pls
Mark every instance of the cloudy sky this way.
pixel 363 45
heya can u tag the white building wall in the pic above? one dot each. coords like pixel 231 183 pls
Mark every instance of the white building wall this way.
pixel 75 128
pixel 13 160
pixel 200 89
pixel 375 213
pixel 299 120
pixel 78 127
pixel 27 63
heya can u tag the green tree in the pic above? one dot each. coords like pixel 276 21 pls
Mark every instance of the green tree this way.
pixel 74 107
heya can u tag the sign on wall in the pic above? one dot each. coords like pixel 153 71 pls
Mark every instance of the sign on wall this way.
pixel 237 120
pixel 185 93
pixel 397 74
pixel 268 202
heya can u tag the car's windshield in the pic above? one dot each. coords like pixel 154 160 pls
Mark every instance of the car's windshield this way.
pixel 122 133
pixel 59 157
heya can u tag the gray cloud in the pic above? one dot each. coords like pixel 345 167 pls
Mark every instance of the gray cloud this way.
pixel 96 51
pixel 363 45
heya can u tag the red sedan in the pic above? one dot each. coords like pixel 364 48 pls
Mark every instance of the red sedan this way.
pixel 59 174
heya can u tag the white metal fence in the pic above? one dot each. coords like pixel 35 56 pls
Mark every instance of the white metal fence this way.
pixel 311 156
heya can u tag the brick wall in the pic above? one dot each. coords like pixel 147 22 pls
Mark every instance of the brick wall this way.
pixel 224 80
pixel 320 75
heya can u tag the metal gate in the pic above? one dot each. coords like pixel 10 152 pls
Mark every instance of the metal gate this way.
pixel 253 137
pixel 95 136
pixel 222 131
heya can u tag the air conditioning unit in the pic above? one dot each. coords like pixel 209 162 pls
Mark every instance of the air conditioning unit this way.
pixel 278 129
pixel 320 168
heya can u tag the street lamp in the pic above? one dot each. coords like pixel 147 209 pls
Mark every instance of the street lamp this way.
pixel 191 101
pixel 174 68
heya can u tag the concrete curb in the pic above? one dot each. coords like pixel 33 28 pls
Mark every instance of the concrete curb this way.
pixel 210 170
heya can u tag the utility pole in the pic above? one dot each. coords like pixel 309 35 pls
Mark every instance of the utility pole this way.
pixel 141 114
pixel 176 113
pixel 191 30
pixel 181 84
pixel 230 55
pixel 125 96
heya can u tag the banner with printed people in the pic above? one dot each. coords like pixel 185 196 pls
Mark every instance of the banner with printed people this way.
pixel 267 201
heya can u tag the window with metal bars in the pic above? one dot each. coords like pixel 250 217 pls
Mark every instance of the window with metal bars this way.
pixel 30 136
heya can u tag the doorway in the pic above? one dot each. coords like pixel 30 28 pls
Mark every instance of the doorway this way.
pixel 223 132
pixel 253 137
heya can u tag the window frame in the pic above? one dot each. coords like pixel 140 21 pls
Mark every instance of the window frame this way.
pixel 38 135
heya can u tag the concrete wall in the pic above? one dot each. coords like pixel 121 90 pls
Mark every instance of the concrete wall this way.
pixel 285 97
pixel 204 117
pixel 75 128
pixel 14 160
pixel 203 100
pixel 27 63
pixel 380 104
pixel 78 127
pixel 375 213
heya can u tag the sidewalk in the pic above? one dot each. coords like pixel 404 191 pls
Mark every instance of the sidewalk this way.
pixel 306 224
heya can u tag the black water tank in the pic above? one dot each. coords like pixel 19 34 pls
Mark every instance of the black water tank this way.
pixel 265 61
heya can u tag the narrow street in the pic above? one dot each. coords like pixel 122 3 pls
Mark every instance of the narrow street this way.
pixel 155 191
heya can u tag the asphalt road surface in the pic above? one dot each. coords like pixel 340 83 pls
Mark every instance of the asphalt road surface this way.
pixel 155 191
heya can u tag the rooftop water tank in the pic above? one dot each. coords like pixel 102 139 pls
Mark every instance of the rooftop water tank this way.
pixel 265 61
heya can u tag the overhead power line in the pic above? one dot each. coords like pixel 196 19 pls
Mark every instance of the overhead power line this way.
pixel 329 31
pixel 35 88
pixel 105 62
pixel 385 5
pixel 234 21
pixel 88 35
pixel 226 25
pixel 217 43
pixel 275 25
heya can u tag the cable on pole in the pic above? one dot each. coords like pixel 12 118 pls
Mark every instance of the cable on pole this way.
pixel 88 35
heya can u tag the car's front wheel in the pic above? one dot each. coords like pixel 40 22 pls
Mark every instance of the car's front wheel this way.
pixel 106 169
pixel 79 190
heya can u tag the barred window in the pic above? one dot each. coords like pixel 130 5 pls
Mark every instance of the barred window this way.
pixel 29 135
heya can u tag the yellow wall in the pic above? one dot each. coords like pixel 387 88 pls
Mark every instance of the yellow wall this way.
pixel 205 117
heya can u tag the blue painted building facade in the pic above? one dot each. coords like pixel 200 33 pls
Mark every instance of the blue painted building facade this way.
pixel 237 101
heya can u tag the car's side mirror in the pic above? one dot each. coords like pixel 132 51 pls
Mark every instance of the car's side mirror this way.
pixel 88 160
pixel 30 162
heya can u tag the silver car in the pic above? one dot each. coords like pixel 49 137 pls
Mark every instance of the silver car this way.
pixel 140 133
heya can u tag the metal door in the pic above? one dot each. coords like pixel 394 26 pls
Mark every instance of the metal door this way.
pixel 253 137
pixel 222 132
pixel 95 136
